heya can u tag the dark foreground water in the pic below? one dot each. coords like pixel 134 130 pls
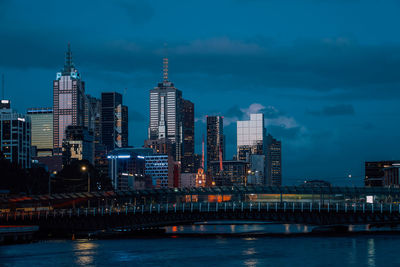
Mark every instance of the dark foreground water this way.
pixel 364 250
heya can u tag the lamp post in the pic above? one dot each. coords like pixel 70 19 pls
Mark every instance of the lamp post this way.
pixel 86 169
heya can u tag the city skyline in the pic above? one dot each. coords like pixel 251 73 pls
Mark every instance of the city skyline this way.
pixel 337 112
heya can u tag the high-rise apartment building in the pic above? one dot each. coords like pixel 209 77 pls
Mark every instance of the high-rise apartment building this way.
pixel 15 137
pixel 165 114
pixel 215 139
pixel 187 165
pixel 274 161
pixel 42 130
pixel 68 101
pixel 114 121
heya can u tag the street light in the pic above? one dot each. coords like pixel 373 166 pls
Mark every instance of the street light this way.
pixel 84 169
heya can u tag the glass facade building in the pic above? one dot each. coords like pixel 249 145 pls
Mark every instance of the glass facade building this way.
pixel 274 161
pixel 15 137
pixel 215 138
pixel 42 130
pixel 114 121
pixel 92 117
pixel 68 101
pixel 127 168
pixel 250 137
pixel 187 165
pixel 171 118
pixel 158 167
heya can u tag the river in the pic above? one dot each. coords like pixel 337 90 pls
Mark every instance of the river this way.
pixel 284 250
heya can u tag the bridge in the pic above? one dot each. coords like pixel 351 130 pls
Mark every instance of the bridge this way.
pixel 159 215
pixel 146 209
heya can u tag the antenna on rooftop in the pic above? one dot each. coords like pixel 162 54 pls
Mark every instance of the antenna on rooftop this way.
pixel 165 63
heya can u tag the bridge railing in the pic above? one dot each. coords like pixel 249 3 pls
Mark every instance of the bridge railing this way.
pixel 205 207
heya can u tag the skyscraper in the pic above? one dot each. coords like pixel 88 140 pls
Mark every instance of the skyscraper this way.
pixel 42 130
pixel 251 137
pixel 68 101
pixel 15 137
pixel 92 117
pixel 274 161
pixel 215 139
pixel 114 121
pixel 187 165
pixel 165 113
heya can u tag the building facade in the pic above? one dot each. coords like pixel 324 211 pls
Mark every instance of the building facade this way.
pixel 15 137
pixel 42 130
pixel 165 114
pixel 391 175
pixel 187 165
pixel 114 121
pixel 374 172
pixel 78 145
pixel 274 161
pixel 215 139
pixel 251 137
pixel 256 171
pixel 160 169
pixel 92 117
pixel 127 169
pixel 234 173
pixel 68 101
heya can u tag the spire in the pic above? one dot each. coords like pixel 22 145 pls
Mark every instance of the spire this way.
pixel 165 69
pixel 69 64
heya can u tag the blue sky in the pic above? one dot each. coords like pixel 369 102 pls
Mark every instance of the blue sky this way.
pixel 325 73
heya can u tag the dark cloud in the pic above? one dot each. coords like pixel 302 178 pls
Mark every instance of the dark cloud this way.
pixel 337 110
pixel 331 65
pixel 138 11
pixel 281 132
pixel 234 112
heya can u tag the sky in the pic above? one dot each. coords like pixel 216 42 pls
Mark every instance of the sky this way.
pixel 324 72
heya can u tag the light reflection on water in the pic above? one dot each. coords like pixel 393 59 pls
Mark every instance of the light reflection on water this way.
pixel 222 228
pixel 85 252
pixel 371 252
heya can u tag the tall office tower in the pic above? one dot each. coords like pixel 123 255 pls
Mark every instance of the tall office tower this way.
pixel 215 139
pixel 42 130
pixel 15 137
pixel 77 145
pixel 92 117
pixel 114 121
pixel 165 113
pixel 187 165
pixel 274 161
pixel 251 137
pixel 68 101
